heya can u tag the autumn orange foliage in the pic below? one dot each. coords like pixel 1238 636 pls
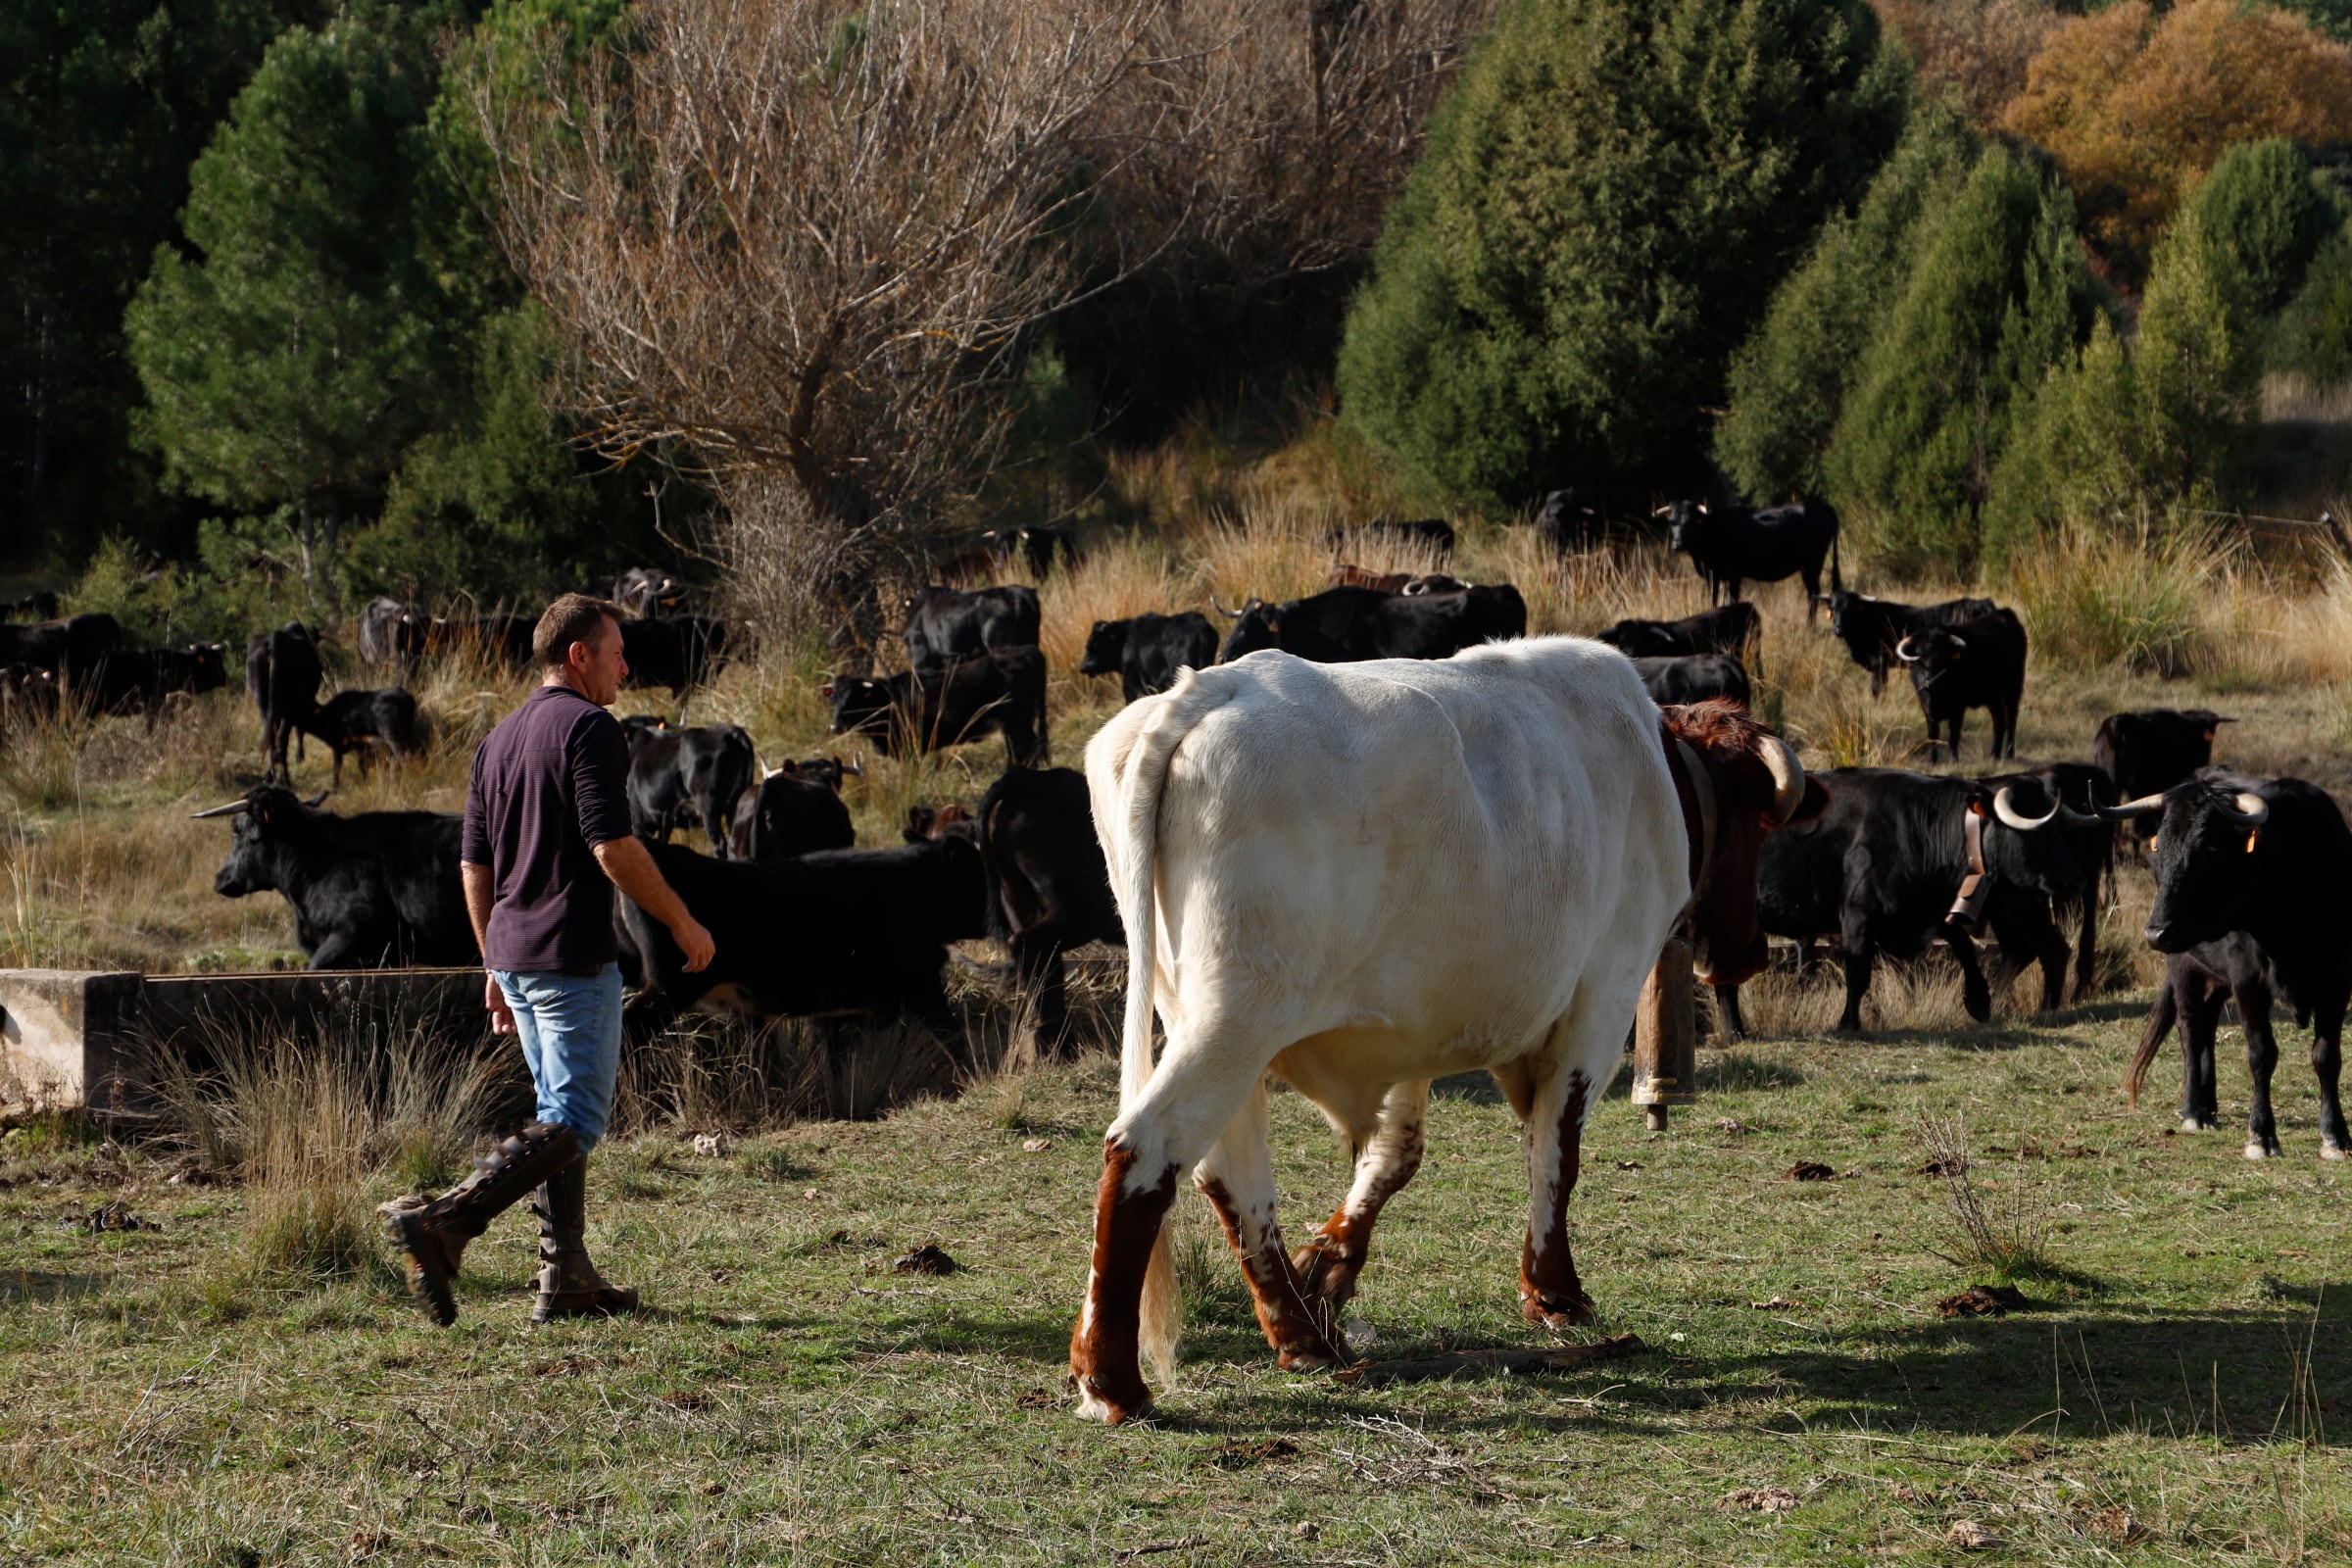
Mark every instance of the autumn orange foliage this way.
pixel 1977 48
pixel 2135 107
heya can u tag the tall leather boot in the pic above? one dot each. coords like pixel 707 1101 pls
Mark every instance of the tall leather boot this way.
pixel 569 1283
pixel 432 1237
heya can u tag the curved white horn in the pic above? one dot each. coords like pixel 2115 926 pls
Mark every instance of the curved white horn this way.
pixel 1232 614
pixel 2143 806
pixel 854 766
pixel 1788 776
pixel 2011 817
pixel 773 773
pixel 1901 651
pixel 232 808
pixel 2252 809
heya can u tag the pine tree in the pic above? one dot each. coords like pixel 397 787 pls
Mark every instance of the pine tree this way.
pixel 1605 201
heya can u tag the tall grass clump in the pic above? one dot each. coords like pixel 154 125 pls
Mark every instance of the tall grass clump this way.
pixel 1982 1233
pixel 2133 601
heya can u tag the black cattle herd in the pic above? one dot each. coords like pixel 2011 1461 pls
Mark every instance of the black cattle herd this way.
pixel 2247 870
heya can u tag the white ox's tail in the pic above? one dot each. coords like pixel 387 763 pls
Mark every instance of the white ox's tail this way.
pixel 1142 774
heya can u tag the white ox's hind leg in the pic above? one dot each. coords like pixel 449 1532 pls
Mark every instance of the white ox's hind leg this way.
pixel 1191 1097
pixel 1585 1045
pixel 1238 1180
pixel 1387 1155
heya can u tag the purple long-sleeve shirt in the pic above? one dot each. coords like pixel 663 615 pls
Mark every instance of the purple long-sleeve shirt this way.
pixel 549 784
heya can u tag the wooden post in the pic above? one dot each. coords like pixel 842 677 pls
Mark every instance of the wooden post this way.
pixel 1665 1036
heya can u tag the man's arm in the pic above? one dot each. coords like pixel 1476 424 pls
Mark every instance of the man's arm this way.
pixel 634 872
pixel 481 892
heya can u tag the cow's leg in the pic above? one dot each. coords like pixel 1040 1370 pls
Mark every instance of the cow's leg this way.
pixel 1974 995
pixel 2087 943
pixel 1727 1008
pixel 1859 949
pixel 1195 1092
pixel 2198 1002
pixel 2327 1065
pixel 1037 971
pixel 2261 1060
pixel 1386 1159
pixel 1238 1180
pixel 1550 1292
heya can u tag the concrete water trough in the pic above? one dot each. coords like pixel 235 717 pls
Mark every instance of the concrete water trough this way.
pixel 78 1038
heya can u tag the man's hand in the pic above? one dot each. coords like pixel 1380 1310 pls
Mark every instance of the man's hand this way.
pixel 494 997
pixel 694 942
pixel 633 871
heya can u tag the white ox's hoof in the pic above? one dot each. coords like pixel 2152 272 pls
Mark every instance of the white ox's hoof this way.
pixel 2190 1124
pixel 2257 1149
pixel 2335 1152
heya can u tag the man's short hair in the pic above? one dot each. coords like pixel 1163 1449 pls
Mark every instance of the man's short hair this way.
pixel 572 618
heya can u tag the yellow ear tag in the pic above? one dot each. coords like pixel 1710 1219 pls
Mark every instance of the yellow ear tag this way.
pixel 2250 838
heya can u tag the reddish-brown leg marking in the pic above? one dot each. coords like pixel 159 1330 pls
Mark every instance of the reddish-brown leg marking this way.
pixel 1332 1258
pixel 1550 1292
pixel 1304 1334
pixel 1103 1355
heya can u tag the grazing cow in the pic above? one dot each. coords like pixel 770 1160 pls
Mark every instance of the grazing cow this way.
pixel 1745 543
pixel 2090 847
pixel 841 930
pixel 1735 630
pixel 1048 890
pixel 1871 628
pixel 2267 859
pixel 71 648
pixel 1878 872
pixel 1036 544
pixel 1341 625
pixel 1565 524
pixel 282 676
pixel 1433 534
pixel 790 813
pixel 137 680
pixel 948 625
pixel 923 710
pixel 492 639
pixel 673 651
pixel 640 591
pixel 1361 878
pixel 2149 751
pixel 1145 651
pixel 376 890
pixel 1977 662
pixel 391 635
pixel 27 694
pixel 1693 678
pixel 366 721
pixel 678 777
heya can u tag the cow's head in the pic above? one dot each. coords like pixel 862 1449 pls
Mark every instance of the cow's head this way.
pixel 1640 639
pixel 264 818
pixel 826 770
pixel 1755 785
pixel 862 706
pixel 207 665
pixel 1105 647
pixel 1683 521
pixel 926 825
pixel 1255 625
pixel 1931 655
pixel 1842 606
pixel 2208 861
pixel 2035 843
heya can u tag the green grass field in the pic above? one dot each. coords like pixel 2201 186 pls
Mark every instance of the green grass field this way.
pixel 2181 1392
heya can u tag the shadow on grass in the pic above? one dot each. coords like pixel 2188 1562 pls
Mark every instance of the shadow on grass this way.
pixel 41 1286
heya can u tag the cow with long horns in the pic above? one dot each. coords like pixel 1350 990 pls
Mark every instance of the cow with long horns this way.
pixel 1977 662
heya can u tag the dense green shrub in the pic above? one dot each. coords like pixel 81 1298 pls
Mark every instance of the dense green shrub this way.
pixel 2266 217
pixel 1789 382
pixel 2313 333
pixel 1606 199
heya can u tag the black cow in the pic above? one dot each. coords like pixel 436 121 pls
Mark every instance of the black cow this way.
pixel 678 777
pixel 2267 859
pixel 282 676
pixel 1037 545
pixel 1977 662
pixel 673 651
pixel 2149 751
pixel 71 648
pixel 1693 678
pixel 639 591
pixel 39 604
pixel 27 694
pixel 1048 889
pixel 789 813
pixel 1341 625
pixel 1881 868
pixel 2090 847
pixel 841 930
pixel 949 625
pixel 1735 630
pixel 637 727
pixel 137 680
pixel 1433 534
pixel 1147 651
pixel 1745 543
pixel 391 635
pixel 1871 628
pixel 1564 524
pixel 493 639
pixel 366 721
pixel 924 708
pixel 376 890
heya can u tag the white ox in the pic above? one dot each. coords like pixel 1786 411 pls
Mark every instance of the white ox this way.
pixel 1363 876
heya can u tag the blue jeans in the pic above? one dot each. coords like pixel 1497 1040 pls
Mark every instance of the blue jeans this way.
pixel 569 1026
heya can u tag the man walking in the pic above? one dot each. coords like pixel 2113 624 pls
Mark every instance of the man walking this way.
pixel 546 839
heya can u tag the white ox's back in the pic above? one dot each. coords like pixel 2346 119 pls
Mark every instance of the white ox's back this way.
pixel 1404 867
